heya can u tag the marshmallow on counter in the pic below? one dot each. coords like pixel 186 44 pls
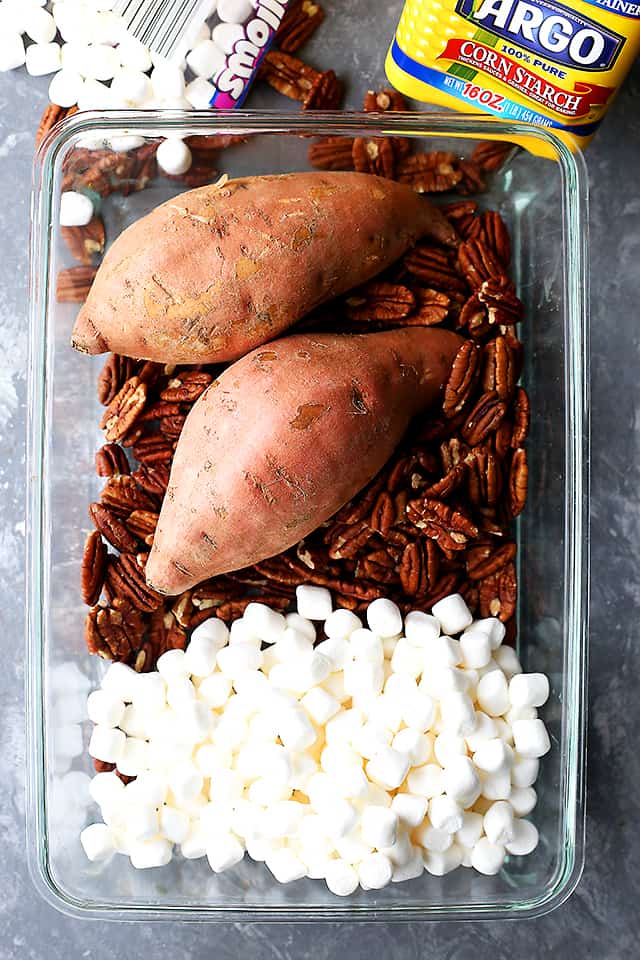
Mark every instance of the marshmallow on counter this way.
pixel 12 51
pixel 174 156
pixel 42 58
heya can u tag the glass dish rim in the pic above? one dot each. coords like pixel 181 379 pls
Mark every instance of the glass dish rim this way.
pixel 574 219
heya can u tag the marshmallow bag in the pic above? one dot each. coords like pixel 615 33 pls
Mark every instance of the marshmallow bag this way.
pixel 544 206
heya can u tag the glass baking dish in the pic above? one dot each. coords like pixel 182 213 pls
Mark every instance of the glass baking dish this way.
pixel 544 204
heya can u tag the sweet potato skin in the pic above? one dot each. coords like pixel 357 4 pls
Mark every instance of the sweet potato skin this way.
pixel 213 273
pixel 283 439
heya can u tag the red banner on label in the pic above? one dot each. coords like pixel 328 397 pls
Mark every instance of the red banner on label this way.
pixel 569 103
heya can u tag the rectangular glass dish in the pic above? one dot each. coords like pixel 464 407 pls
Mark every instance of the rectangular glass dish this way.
pixel 544 205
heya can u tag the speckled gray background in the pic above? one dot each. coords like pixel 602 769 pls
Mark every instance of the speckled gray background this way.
pixel 602 919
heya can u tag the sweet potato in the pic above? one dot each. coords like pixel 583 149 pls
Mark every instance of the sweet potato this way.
pixel 217 271
pixel 283 439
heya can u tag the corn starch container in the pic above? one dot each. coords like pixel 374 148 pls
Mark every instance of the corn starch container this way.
pixel 536 61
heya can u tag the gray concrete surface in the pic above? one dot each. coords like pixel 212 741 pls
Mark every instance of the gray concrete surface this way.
pixel 601 920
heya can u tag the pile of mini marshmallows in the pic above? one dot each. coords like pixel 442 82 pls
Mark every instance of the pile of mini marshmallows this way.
pixel 98 65
pixel 373 755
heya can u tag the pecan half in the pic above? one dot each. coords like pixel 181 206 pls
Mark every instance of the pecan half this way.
pixel 85 243
pixel 111 460
pixel 122 494
pixel 374 155
pixel 115 372
pixel 112 529
pixel 498 594
pixel 288 75
pixel 51 115
pixel 521 415
pixel 383 100
pixel 124 409
pixel 518 481
pixel 73 284
pixel 153 450
pixel 380 301
pixel 325 93
pixel 503 307
pixel 472 181
pixel 332 153
pixel 460 210
pixel 383 515
pixel 499 373
pixel 478 263
pixel 452 452
pixel 432 172
pixel 462 379
pixel 432 308
pixel 125 578
pixel 450 528
pixel 153 479
pixel 299 23
pixel 433 269
pixel 413 573
pixel 450 482
pixel 494 233
pixel 347 540
pixel 113 632
pixel 142 524
pixel 502 439
pixel 486 559
pixel 491 154
pixel 474 317
pixel 484 418
pixel 186 387
pixel 93 569
pixel 484 477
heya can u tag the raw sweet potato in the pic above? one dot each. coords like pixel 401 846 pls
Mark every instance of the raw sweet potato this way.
pixel 217 271
pixel 283 439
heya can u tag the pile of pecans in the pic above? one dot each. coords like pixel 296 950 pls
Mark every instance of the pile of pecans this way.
pixel 436 520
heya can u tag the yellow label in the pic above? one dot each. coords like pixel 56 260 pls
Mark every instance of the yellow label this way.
pixel 535 61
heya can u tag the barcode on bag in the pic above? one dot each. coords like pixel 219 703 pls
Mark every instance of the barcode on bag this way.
pixel 162 25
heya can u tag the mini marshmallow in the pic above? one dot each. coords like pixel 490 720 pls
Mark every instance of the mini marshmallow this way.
pixel 185 782
pixel 105 708
pixel 388 767
pixel 295 729
pixel 507 660
pixel 351 782
pixel 530 738
pixel 439 864
pixel 120 679
pixel 452 614
pixel 528 690
pixel 476 648
pixel 341 878
pixel 379 826
pixel 461 781
pixel 40 25
pixel 199 93
pixel 426 781
pixel 485 729
pixel 200 655
pixel 196 719
pixel 97 842
pixel 234 11
pixel 417 746
pixel 433 838
pixel 340 624
pixel 174 157
pixel 445 813
pixel 101 63
pixel 148 789
pixel 487 857
pixel 496 786
pixel 154 853
pixel 226 35
pixel 370 738
pixel 525 838
pixel 143 823
pixel 180 692
pixel 320 705
pixel 76 210
pixel 238 657
pixel 266 623
pixel 414 867
pixel 520 713
pixel 471 829
pixel 503 730
pixel 214 690
pixel 523 800
pixel 493 693
pixel 374 871
pixel 498 823
pixel 339 817
pixel 421 629
pixel 167 81
pixel 12 52
pixel 132 87
pixel 366 645
pixel 206 59
pixel 106 744
pixel 106 789
pixel 493 756
pixel 492 627
pixel 337 757
pixel 407 659
pixel 285 866
pixel 384 618
pixel 195 845
pixel 282 818
pixel 524 771
pixel 457 714
pixel 210 757
pixel 314 603
pixel 133 54
pixel 401 851
pixel 443 651
pixel 134 757
pixel 174 824
pixel 150 693
pixel 226 786
pixel 302 625
pixel 363 680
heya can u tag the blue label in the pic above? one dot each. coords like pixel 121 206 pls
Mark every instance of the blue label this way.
pixel 622 8
pixel 548 29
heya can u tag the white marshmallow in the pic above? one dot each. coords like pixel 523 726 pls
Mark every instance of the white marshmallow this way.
pixel 101 63
pixel 109 28
pixel 339 756
pixel 386 710
pixel 525 838
pixel 498 823
pixel 97 842
pixel 366 645
pixel 461 781
pixel 120 679
pixel 282 818
pixel 339 817
pixel 528 690
pixel 487 857
pixel 414 867
pixel 134 757
pixel 407 659
pixel 503 729
pixel 351 782
pixel 195 845
pixel 226 35
pixel 167 81
pixel 439 864
pixel 285 866
pixel 302 625
pixel 452 613
pixel 174 157
pixel 421 629
pixel 226 786
pixel 180 692
pixel 417 746
pixel 40 25
pixel 340 624
pixel 457 714
pixel 485 729
pixel 341 877
pixel 215 690
pixel 388 767
pixel 379 826
pixel 150 693
pixel 153 853
pixel 200 655
pixel 496 786
pixel 106 789
pixel 125 143
pixel 234 11
pixel 231 731
pixel 206 59
pixel 374 871
pixel 12 52
pixel 507 660
pixel 185 782
pixel 493 693
pixel 149 788
pixel 476 648
pixel 266 623
pixel 363 680
pixel 320 705
pixel 471 829
pixel 520 713
pixel 314 603
pixel 445 813
pixel 493 756
pixel 384 618
pixel 530 738
pixel 443 651
pixel 371 737
pixel 106 744
pixel 238 657
pixel 76 210
pixel 433 838
pixel 492 627
pixel 523 800
pixel 133 54
pixel 131 87
pixel 105 708
pixel 199 93
pixel 196 720
pixel 524 771
pixel 427 780
pixel 174 824
pixel 143 823
pixel 210 757
pixel 295 729
pixel 401 851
